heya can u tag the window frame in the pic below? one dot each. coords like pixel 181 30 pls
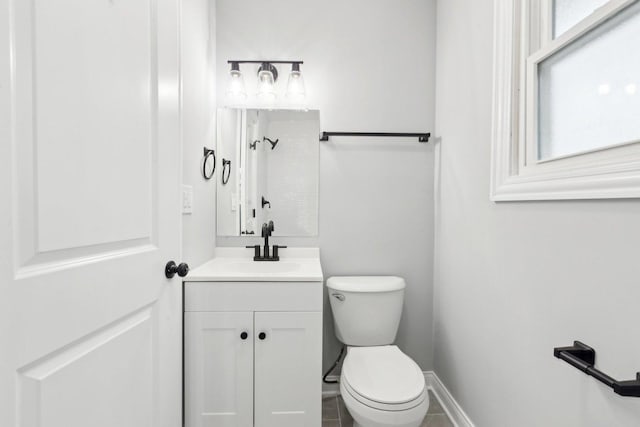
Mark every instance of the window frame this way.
pixel 522 39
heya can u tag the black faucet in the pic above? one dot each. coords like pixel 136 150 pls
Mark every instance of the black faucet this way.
pixel 267 229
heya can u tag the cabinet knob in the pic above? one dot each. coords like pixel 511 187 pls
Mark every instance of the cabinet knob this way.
pixel 244 335
pixel 262 335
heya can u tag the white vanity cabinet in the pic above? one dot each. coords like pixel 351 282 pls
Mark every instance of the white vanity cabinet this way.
pixel 253 350
pixel 287 369
pixel 246 369
pixel 218 369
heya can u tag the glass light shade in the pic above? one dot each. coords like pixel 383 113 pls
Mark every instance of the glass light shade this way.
pixel 266 89
pixel 237 91
pixel 295 87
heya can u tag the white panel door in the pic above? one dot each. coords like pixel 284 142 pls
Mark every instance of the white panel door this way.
pixel 219 369
pixel 89 213
pixel 288 369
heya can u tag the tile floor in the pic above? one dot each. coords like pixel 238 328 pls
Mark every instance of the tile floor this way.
pixel 335 414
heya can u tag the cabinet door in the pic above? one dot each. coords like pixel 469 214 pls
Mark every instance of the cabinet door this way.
pixel 218 369
pixel 288 369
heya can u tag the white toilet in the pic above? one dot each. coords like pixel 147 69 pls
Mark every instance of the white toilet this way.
pixel 381 386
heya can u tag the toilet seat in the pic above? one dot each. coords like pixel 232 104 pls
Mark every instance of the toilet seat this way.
pixel 383 378
pixel 394 407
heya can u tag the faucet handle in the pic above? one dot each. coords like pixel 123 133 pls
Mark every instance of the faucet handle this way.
pixel 275 251
pixel 256 251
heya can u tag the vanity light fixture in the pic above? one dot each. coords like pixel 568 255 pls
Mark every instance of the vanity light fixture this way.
pixel 237 91
pixel 267 78
pixel 295 86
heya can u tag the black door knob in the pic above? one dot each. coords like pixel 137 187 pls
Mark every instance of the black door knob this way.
pixel 244 335
pixel 171 269
pixel 262 335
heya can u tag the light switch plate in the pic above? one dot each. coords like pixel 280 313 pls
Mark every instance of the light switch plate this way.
pixel 187 199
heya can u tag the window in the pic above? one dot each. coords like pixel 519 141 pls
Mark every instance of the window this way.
pixel 567 13
pixel 566 100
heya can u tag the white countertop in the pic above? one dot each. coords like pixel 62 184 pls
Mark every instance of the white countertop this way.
pixel 237 265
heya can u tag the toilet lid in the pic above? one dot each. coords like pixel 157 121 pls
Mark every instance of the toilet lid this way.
pixel 383 374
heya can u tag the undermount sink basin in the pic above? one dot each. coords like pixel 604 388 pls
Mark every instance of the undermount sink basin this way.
pixel 237 265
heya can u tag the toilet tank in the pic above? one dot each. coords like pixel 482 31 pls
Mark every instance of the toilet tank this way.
pixel 366 309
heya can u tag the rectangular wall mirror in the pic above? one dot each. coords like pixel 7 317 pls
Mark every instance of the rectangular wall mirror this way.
pixel 268 170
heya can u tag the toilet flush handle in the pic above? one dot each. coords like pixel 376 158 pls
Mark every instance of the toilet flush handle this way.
pixel 339 297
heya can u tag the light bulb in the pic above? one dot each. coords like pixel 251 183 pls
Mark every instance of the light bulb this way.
pixel 266 89
pixel 604 89
pixel 631 89
pixel 236 91
pixel 296 91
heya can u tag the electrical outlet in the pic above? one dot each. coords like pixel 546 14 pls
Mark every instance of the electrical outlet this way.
pixel 187 199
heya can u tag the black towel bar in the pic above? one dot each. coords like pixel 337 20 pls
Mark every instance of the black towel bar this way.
pixel 422 137
pixel 583 357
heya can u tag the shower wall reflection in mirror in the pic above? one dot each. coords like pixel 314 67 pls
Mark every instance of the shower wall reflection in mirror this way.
pixel 268 170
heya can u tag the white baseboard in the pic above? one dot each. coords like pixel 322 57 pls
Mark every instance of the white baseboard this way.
pixel 448 403
pixel 331 390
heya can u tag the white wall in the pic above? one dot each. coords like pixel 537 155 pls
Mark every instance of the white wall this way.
pixel 198 126
pixel 514 280
pixel 369 66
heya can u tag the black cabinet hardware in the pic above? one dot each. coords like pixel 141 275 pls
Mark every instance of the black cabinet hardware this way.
pixel 172 268
pixel 583 357
pixel 262 336
pixel 244 335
